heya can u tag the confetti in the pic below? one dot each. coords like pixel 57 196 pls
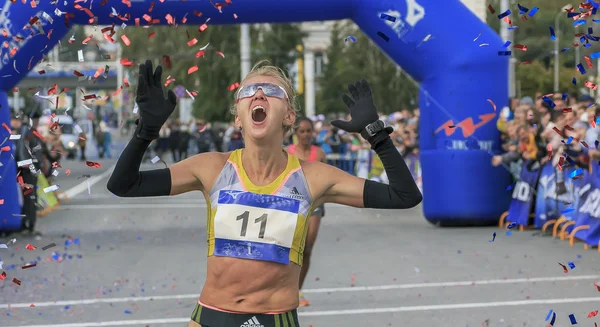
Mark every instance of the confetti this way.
pixel 93 164
pixel 575 174
pixel 51 245
pixel 571 264
pixel 16 281
pixel 30 247
pixel 492 103
pixel 351 38
pixel 479 35
pixel 493 237
pixel 581 69
pixel 192 69
pixel 511 225
pixel 564 267
pixel 125 40
pixel 504 14
pixel 51 188
pixel 552 35
pixel 573 320
pixel 27 266
pixel 549 315
pixel 155 159
pixel 520 47
pixel 593 314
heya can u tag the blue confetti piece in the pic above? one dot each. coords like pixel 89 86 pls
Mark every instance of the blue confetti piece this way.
pixel 507 44
pixel 508 188
pixel 351 38
pixel 552 35
pixel 493 237
pixel 572 14
pixel 127 312
pixel 67 242
pixel 553 319
pixel 522 10
pixel 587 45
pixel 533 11
pixel 595 55
pixel 596 20
pixel 574 81
pixel 564 96
pixel 388 17
pixel 76 241
pixel 508 233
pixel 569 140
pixel 511 225
pixel 504 14
pixel 549 315
pixel 576 173
pixel 67 307
pixel 579 22
pixel 504 53
pixel 590 31
pixel 549 101
pixel 514 27
pixel 567 210
pixel 573 320
pixel 571 264
pixel 581 69
pixel 579 256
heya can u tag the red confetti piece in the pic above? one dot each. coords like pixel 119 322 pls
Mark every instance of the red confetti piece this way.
pixel 584 144
pixel 520 47
pixel 221 54
pixel 93 164
pixel 125 40
pixel 151 35
pixel 567 110
pixel 492 103
pixel 235 16
pixel 38 135
pixel 192 69
pixel 555 129
pixel 5 149
pixel 3 275
pixel 30 247
pixel 42 72
pixel 68 172
pixel 202 28
pixel 192 42
pixel 1 201
pixel 588 61
pixel 233 86
pixel 590 85
pixel 593 314
pixel 169 81
pixel 31 265
pixel 16 281
pixel 564 267
pixel 167 61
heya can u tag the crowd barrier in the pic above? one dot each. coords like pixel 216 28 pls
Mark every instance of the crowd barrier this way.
pixel 573 215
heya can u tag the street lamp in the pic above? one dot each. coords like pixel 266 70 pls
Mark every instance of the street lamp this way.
pixel 556 44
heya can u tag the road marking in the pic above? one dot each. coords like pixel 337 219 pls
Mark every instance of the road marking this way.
pixel 347 312
pixel 314 290
pixel 83 186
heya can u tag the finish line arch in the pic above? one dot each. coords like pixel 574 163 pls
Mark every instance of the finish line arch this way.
pixel 457 77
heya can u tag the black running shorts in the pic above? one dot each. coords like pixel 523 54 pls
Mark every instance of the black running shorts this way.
pixel 207 317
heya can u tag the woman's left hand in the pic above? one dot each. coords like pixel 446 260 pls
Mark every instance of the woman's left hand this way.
pixel 362 109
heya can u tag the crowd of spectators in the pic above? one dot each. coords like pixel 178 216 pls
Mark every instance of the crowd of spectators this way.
pixel 542 130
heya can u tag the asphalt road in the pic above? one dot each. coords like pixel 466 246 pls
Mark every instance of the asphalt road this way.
pixel 141 262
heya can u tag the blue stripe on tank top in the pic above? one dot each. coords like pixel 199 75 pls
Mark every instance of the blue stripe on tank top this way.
pixel 251 250
pixel 264 201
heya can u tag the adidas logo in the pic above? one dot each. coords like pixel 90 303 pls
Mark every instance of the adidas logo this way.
pixel 252 322
pixel 294 194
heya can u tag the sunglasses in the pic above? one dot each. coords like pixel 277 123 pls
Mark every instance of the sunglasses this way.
pixel 270 90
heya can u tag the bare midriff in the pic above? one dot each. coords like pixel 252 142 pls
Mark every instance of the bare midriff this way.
pixel 250 286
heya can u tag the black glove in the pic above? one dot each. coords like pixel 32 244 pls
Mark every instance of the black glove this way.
pixel 154 108
pixel 363 112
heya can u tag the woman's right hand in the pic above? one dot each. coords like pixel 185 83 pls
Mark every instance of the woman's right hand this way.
pixel 154 108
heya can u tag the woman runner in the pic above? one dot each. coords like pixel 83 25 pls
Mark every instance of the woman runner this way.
pixel 306 151
pixel 258 197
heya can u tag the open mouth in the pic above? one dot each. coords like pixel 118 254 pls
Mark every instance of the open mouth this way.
pixel 259 114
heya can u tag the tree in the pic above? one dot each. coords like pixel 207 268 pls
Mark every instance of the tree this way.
pixel 393 89
pixel 277 43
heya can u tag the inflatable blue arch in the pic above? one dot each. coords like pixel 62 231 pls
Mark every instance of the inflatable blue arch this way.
pixel 431 40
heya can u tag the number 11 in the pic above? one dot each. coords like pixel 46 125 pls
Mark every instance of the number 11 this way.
pixel 244 218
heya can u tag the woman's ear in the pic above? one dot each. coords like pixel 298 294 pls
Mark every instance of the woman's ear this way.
pixel 237 121
pixel 290 118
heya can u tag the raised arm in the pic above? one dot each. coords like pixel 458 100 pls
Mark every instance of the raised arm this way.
pixel 402 191
pixel 127 180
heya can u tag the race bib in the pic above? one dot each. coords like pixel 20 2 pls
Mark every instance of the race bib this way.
pixel 255 226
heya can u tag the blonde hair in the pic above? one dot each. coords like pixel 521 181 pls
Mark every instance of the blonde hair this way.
pixel 264 68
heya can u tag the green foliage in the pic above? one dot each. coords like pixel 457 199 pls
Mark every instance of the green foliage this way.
pixel 348 62
pixel 215 74
pixel 535 34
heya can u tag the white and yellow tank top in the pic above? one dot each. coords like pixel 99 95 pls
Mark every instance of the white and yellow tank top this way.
pixel 258 222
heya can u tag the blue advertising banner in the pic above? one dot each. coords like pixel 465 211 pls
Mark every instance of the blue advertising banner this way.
pixel 549 205
pixel 589 211
pixel 522 196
